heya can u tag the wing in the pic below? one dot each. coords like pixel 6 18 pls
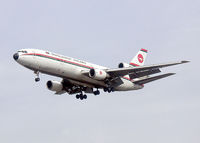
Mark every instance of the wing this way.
pixel 150 79
pixel 61 92
pixel 141 71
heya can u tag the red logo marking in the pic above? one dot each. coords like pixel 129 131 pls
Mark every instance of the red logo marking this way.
pixel 140 58
pixel 100 72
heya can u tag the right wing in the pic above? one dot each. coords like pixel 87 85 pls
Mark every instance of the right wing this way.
pixel 142 69
pixel 135 73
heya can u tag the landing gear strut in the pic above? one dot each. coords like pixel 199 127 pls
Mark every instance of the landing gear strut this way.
pixel 109 88
pixel 37 78
pixel 81 96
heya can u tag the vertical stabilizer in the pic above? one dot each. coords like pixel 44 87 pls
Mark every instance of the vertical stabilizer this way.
pixel 139 59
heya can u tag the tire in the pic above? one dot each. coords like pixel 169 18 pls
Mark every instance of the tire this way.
pixel 85 96
pixel 109 90
pixel 77 96
pixel 37 79
pixel 81 97
pixel 98 92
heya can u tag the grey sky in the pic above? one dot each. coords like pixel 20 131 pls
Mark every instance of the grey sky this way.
pixel 106 33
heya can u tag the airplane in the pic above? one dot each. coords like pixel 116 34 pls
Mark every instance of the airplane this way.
pixel 81 78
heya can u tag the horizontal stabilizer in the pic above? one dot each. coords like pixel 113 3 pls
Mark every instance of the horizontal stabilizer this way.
pixel 150 79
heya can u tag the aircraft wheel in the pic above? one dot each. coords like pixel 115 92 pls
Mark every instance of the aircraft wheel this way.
pixel 85 96
pixel 96 92
pixel 105 89
pixel 77 96
pixel 37 79
pixel 110 90
pixel 81 97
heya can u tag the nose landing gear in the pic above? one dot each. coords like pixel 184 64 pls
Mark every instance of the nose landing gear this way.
pixel 37 78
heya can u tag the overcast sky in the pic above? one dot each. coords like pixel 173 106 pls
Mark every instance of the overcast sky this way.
pixel 104 32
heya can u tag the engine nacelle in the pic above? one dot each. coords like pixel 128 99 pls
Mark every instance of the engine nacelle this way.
pixel 98 74
pixel 55 86
pixel 123 65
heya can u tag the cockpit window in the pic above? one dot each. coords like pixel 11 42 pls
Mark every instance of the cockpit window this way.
pixel 22 51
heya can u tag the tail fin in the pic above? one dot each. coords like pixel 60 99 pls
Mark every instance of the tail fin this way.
pixel 139 59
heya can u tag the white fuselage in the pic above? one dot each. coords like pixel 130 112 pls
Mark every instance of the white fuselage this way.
pixel 67 68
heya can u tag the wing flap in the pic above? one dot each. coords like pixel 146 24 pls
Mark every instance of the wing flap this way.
pixel 150 79
pixel 144 73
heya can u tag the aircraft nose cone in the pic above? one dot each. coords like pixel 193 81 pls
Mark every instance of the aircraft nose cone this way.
pixel 16 56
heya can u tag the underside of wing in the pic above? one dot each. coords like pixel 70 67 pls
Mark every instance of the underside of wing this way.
pixel 150 79
pixel 61 92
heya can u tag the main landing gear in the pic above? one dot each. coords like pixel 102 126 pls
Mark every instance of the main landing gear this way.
pixel 37 78
pixel 81 96
pixel 109 89
pixel 97 92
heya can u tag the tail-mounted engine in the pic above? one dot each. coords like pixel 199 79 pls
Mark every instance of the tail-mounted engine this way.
pixel 98 74
pixel 55 86
pixel 123 65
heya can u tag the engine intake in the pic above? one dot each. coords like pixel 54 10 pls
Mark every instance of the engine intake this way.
pixel 55 86
pixel 98 74
pixel 123 65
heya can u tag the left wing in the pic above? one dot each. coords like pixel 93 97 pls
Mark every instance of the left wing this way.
pixel 150 79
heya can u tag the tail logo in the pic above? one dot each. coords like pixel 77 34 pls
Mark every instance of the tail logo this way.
pixel 140 58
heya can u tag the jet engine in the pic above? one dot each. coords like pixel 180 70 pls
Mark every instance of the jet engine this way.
pixel 123 65
pixel 98 74
pixel 55 86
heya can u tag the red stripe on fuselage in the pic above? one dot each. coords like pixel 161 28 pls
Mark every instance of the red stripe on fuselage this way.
pixel 59 59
